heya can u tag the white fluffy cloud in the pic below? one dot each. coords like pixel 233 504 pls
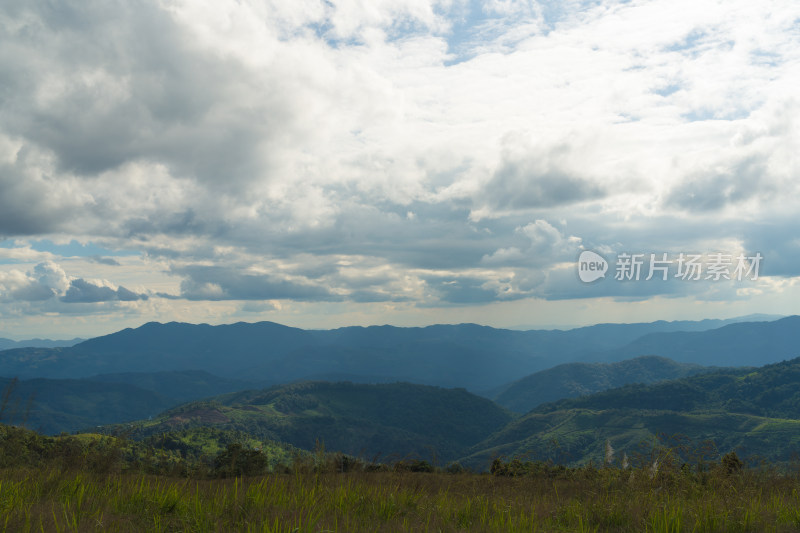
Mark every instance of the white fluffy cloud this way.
pixel 47 283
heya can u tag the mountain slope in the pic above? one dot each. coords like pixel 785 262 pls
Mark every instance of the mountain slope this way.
pixel 578 379
pixel 752 410
pixel 771 391
pixel 65 405
pixel 576 436
pixel 178 386
pixel 386 420
pixel 53 406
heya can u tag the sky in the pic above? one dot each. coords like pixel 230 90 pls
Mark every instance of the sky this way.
pixel 409 162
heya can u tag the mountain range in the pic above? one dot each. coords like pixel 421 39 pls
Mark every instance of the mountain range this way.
pixel 8 344
pixel 478 358
pixel 253 379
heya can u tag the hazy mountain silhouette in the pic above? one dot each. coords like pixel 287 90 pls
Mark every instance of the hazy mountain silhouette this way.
pixel 8 344
pixel 479 358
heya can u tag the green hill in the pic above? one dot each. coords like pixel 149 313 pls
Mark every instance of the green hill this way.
pixel 578 379
pixel 387 421
pixel 755 411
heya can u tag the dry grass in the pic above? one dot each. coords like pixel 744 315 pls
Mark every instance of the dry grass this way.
pixel 579 500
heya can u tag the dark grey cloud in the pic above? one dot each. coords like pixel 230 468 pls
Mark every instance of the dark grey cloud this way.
pixel 135 86
pixel 83 291
pixel 515 186
pixel 533 177
pixel 711 191
pixel 168 296
pixel 29 204
pixel 33 292
pixel 227 283
pixel 185 222
pixel 110 261
pixel 439 236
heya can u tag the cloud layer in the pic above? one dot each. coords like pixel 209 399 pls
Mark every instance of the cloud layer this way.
pixel 409 154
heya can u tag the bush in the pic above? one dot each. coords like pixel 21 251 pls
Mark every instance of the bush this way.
pixel 236 460
pixel 731 464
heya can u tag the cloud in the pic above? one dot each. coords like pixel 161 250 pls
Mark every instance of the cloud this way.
pixel 22 251
pixel 221 283
pixel 258 307
pixel 48 282
pixel 50 274
pixel 100 105
pixel 85 291
pixel 33 292
pixel 33 201
pixel 273 151
pixel 718 189
pixel 536 177
pixel 104 260
pixel 461 290
pixel 370 296
pixel 478 287
pixel 539 244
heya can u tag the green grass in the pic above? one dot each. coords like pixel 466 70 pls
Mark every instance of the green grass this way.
pixel 578 500
pixel 101 483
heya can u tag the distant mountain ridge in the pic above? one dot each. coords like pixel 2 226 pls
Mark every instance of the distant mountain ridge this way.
pixel 738 344
pixel 479 358
pixel 8 344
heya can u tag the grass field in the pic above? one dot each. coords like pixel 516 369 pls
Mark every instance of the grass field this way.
pixel 586 499
pixel 101 483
